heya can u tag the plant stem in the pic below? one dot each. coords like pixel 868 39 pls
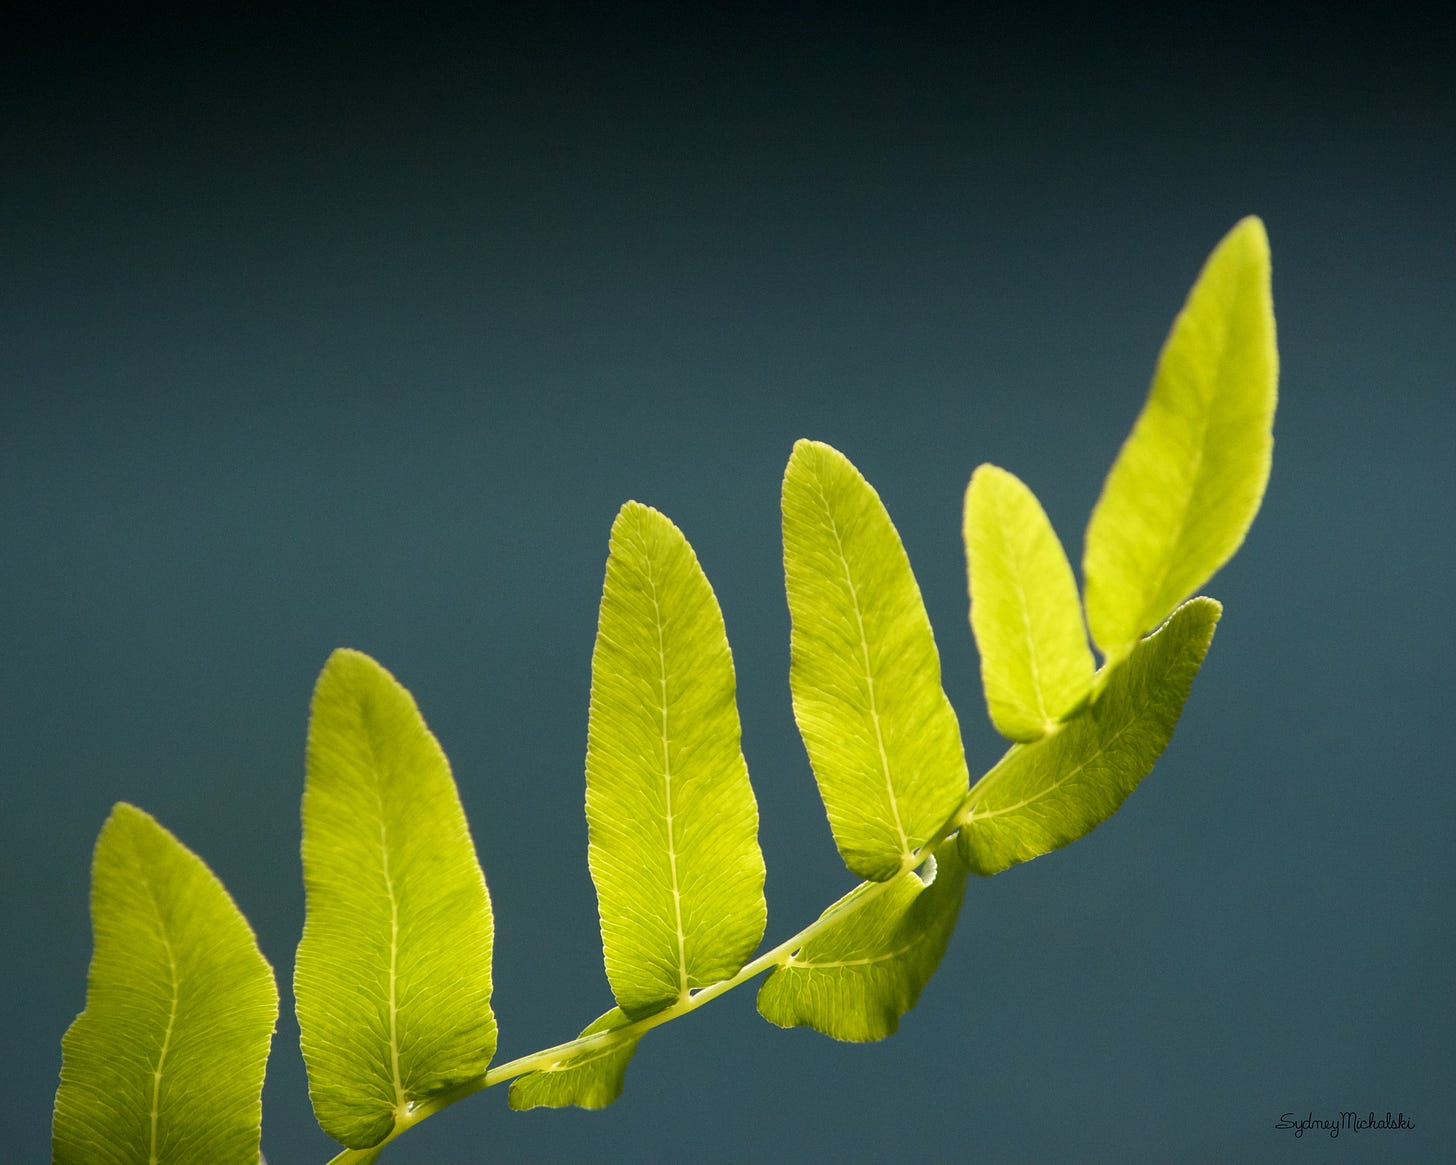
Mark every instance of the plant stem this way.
pixel 549 1058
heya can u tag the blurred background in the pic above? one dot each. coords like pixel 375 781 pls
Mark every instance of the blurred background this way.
pixel 355 325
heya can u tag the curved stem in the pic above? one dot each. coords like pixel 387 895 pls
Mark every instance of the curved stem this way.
pixel 549 1058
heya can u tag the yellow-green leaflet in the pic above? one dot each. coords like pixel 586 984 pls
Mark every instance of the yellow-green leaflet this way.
pixel 1191 476
pixel 1041 796
pixel 393 978
pixel 854 982
pixel 591 1079
pixel 166 1062
pixel 672 821
pixel 864 672
pixel 1036 665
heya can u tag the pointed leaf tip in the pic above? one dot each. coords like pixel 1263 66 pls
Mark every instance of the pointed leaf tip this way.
pixel 166 1061
pixel 1191 476
pixel 393 976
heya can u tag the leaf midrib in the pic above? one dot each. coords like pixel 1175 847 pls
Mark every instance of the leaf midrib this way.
pixel 1202 421
pixel 977 815
pixel 1104 745
pixel 864 646
pixel 667 778
pixel 1018 563
pixel 174 991
pixel 377 787
pixel 794 963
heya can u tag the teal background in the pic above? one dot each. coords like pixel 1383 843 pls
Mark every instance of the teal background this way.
pixel 356 327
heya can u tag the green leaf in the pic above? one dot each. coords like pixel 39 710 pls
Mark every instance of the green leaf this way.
pixel 591 1079
pixel 1189 479
pixel 672 823
pixel 881 736
pixel 856 980
pixel 1036 665
pixel 393 978
pixel 1041 796
pixel 166 1062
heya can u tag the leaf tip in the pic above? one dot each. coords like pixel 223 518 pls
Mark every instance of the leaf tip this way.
pixel 349 661
pixel 1250 232
pixel 986 470
pixel 984 477
pixel 126 811
pixel 808 452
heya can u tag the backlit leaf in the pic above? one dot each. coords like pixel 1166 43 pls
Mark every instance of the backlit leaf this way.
pixel 1036 665
pixel 1188 481
pixel 393 978
pixel 591 1079
pixel 856 980
pixel 864 671
pixel 672 822
pixel 166 1062
pixel 1043 795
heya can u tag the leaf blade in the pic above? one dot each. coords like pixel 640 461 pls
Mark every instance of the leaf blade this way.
pixel 393 976
pixel 1026 615
pixel 1045 795
pixel 856 980
pixel 590 1080
pixel 167 1060
pixel 671 817
pixel 881 735
pixel 1189 480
